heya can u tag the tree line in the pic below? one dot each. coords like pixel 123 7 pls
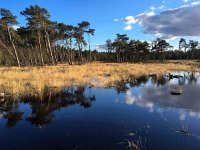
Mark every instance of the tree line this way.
pixel 42 41
pixel 45 42
pixel 124 49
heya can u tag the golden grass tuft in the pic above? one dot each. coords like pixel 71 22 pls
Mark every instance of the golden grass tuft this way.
pixel 34 79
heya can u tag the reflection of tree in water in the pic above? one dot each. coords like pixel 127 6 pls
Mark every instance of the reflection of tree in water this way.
pixel 123 85
pixel 182 79
pixel 192 77
pixel 13 118
pixel 142 80
pixel 43 110
pixel 136 82
pixel 159 80
pixel 8 109
pixel 189 78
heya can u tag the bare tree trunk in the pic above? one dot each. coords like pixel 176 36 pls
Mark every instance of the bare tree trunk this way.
pixel 30 56
pixel 186 53
pixel 13 45
pixel 55 53
pixel 162 54
pixel 49 46
pixel 34 56
pixel 24 58
pixel 71 52
pixel 47 50
pixel 61 54
pixel 80 52
pixel 89 48
pixel 40 48
pixel 9 51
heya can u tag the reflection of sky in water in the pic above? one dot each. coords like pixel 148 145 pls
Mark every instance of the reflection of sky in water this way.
pixel 158 98
pixel 79 115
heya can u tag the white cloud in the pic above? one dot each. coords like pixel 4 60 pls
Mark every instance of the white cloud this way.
pixel 128 27
pixel 152 8
pixel 169 24
pixel 161 7
pixel 182 21
pixel 196 3
pixel 129 20
pixel 15 27
pixel 145 15
pixel 149 14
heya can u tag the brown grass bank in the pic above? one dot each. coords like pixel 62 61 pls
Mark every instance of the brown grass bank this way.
pixel 35 79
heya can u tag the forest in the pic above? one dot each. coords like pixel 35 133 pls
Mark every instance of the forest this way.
pixel 45 42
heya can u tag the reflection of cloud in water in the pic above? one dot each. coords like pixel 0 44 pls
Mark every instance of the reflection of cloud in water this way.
pixel 138 100
pixel 160 99
pixel 130 99
pixel 182 116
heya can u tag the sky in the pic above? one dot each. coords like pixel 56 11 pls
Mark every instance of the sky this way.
pixel 140 19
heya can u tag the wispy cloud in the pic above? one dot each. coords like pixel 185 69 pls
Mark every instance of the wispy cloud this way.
pixel 185 1
pixel 116 20
pixel 152 8
pixel 161 7
pixel 100 47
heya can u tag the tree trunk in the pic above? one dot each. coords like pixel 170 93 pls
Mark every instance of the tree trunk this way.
pixel 185 49
pixel 55 53
pixel 162 55
pixel 30 57
pixel 34 55
pixel 71 52
pixel 80 52
pixel 40 48
pixel 89 48
pixel 13 45
pixel 49 46
pixel 9 51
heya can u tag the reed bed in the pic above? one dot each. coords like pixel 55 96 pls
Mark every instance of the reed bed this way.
pixel 33 80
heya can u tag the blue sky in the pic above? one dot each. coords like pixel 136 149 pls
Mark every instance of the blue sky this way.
pixel 109 17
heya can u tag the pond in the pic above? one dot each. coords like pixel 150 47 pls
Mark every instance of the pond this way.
pixel 135 114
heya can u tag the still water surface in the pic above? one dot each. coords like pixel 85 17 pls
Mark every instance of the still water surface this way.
pixel 136 114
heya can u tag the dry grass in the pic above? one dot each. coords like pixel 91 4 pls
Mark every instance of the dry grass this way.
pixel 34 79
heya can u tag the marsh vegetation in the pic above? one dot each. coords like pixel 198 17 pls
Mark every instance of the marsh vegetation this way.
pixel 26 80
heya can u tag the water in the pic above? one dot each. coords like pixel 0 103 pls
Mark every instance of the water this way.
pixel 135 114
